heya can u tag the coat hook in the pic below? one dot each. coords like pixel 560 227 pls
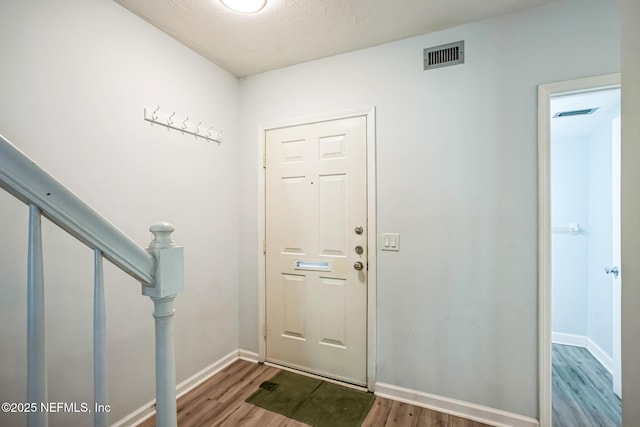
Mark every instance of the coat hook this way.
pixel 209 132
pixel 169 121
pixel 154 116
pixel 197 129
pixel 184 124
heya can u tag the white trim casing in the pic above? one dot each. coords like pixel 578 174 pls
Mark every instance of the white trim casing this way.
pixel 545 93
pixel 544 258
pixel 369 113
pixel 458 408
pixel 372 264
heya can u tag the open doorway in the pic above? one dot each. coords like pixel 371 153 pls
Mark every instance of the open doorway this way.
pixel 579 138
pixel 583 166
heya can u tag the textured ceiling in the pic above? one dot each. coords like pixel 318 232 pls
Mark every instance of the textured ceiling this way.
pixel 289 32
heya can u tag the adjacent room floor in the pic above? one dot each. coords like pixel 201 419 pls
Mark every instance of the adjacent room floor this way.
pixel 582 390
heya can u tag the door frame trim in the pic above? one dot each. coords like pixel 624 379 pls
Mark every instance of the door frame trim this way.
pixel 545 93
pixel 372 241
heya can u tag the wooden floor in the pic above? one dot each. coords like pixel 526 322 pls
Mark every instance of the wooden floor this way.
pixel 582 390
pixel 220 401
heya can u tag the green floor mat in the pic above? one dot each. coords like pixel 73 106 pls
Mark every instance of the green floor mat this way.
pixel 312 401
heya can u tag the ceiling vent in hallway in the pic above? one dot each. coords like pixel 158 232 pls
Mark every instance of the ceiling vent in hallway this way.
pixel 575 112
pixel 444 55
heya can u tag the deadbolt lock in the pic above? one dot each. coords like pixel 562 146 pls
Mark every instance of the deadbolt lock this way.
pixel 359 250
pixel 359 229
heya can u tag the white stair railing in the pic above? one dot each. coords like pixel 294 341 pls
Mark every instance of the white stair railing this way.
pixel 169 282
pixel 36 357
pixel 100 416
pixel 159 268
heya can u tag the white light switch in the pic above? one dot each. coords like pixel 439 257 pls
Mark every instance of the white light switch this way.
pixel 390 242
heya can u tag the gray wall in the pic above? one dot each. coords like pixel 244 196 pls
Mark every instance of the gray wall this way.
pixel 570 254
pixel 74 79
pixel 457 178
pixel 630 201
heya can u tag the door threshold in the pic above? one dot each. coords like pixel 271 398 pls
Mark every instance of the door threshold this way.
pixel 319 377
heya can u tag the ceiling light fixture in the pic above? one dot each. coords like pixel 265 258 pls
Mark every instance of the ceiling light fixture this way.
pixel 245 6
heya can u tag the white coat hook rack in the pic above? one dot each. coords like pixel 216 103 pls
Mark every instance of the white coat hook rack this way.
pixel 154 115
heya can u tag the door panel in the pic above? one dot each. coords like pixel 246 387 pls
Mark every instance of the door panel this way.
pixel 293 200
pixel 293 296
pixel 333 214
pixel 316 302
pixel 333 319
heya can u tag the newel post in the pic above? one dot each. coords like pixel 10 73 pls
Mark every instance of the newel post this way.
pixel 169 281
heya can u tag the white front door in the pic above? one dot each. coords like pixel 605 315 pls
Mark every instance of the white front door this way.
pixel 316 248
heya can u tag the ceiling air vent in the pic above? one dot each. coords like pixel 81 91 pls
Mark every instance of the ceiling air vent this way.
pixel 444 55
pixel 575 112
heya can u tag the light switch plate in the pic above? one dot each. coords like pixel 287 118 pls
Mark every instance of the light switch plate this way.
pixel 390 242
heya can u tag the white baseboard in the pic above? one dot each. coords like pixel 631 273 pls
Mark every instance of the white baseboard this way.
pixel 459 408
pixel 148 409
pixel 471 411
pixel 569 339
pixel 249 356
pixel 582 341
pixel 601 356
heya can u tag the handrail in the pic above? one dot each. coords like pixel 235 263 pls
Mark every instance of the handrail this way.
pixel 27 181
pixel 160 269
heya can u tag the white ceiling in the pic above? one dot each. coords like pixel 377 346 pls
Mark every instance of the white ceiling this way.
pixel 607 103
pixel 288 32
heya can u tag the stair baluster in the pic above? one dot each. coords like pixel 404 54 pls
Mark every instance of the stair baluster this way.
pixel 36 354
